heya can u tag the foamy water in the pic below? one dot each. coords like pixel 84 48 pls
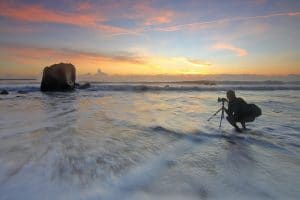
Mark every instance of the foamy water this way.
pixel 147 142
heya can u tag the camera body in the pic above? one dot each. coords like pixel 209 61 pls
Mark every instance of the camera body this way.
pixel 223 100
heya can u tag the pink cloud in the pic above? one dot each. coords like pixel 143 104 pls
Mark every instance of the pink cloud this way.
pixel 230 47
pixel 148 15
pixel 162 18
pixel 38 14
pixel 294 13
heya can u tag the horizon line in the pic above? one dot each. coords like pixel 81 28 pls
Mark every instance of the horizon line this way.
pixel 33 76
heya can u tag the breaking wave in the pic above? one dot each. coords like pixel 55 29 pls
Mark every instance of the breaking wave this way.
pixel 159 87
pixel 183 88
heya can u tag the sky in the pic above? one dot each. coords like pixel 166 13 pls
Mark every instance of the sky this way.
pixel 167 37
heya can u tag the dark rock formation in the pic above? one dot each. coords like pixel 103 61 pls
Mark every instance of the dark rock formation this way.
pixel 4 92
pixel 59 77
pixel 83 86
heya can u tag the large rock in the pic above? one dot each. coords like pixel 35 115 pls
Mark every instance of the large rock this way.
pixel 59 77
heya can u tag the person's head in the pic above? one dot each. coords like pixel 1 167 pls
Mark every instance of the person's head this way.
pixel 230 95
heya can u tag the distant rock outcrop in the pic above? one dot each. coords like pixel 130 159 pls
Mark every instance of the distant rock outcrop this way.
pixel 4 92
pixel 59 77
pixel 83 86
pixel 22 92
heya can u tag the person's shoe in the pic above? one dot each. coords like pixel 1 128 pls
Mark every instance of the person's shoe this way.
pixel 237 129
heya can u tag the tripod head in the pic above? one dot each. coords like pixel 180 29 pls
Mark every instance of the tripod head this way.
pixel 223 100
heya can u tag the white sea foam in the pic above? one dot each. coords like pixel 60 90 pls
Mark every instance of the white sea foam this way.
pixel 176 87
pixel 101 144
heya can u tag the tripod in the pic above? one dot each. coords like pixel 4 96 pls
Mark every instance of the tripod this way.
pixel 222 113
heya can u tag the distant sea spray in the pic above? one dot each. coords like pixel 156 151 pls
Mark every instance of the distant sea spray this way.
pixel 167 87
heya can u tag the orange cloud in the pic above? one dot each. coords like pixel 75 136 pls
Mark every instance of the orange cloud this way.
pixel 116 63
pixel 38 53
pixel 198 62
pixel 38 14
pixel 224 46
pixel 26 60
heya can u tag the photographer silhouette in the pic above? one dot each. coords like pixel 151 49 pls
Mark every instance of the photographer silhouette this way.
pixel 239 111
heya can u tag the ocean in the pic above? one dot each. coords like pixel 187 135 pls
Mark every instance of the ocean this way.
pixel 147 141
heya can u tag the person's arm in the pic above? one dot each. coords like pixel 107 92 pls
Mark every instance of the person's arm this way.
pixel 229 109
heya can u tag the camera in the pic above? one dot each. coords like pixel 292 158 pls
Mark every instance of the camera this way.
pixel 223 100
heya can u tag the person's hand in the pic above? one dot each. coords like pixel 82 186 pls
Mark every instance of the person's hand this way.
pixel 222 100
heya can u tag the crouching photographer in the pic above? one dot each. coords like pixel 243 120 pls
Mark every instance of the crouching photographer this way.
pixel 239 111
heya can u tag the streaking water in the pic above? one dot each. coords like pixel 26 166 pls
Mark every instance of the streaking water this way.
pixel 146 143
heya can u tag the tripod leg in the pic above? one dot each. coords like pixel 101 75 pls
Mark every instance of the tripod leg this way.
pixel 214 114
pixel 222 116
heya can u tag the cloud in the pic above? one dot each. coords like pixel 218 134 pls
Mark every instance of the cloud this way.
pixel 39 14
pixel 163 18
pixel 192 26
pixel 36 13
pixel 40 53
pixel 147 15
pixel 182 61
pixel 23 29
pixel 218 22
pixel 245 30
pixel 230 47
pixel 198 62
pixel 113 63
pixel 294 14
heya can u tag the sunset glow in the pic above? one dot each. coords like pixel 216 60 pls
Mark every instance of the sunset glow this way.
pixel 151 37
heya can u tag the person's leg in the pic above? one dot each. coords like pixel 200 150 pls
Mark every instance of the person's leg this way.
pixel 244 125
pixel 245 119
pixel 231 120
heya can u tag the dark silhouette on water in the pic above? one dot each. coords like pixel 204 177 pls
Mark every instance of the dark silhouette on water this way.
pixel 4 92
pixel 239 111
